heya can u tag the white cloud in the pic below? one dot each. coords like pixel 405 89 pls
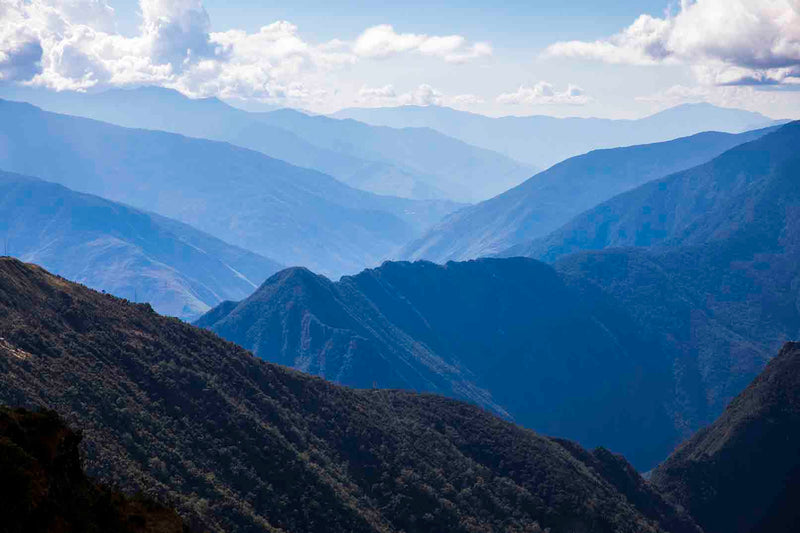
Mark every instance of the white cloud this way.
pixel 383 41
pixel 73 45
pixel 423 95
pixel 727 42
pixel 544 93
pixel 466 100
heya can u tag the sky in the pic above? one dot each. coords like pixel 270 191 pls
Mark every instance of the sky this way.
pixel 616 59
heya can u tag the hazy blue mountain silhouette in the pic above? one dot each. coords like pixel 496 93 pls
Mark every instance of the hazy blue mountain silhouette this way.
pixel 130 253
pixel 294 215
pixel 543 140
pixel 411 163
pixel 714 278
pixel 548 200
pixel 509 335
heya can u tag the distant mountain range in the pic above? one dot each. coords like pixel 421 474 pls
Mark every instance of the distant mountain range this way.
pixel 742 473
pixel 130 253
pixel 543 141
pixel 293 215
pixel 641 347
pixel 412 163
pixel 238 444
pixel 551 198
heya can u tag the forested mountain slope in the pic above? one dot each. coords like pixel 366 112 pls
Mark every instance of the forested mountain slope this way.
pixel 741 474
pixel 243 445
pixel 43 488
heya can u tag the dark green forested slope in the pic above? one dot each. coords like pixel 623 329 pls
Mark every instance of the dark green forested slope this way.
pixel 43 488
pixel 741 474
pixel 242 445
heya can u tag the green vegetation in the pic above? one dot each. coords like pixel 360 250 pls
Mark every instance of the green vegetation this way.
pixel 44 490
pixel 237 444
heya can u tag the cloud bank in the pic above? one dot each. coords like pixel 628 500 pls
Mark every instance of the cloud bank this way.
pixel 726 42
pixel 73 45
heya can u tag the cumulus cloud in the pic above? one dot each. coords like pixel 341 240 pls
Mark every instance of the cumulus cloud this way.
pixel 74 45
pixel 545 93
pixel 727 42
pixel 383 41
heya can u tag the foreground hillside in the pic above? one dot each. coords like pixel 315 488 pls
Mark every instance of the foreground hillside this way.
pixel 242 445
pixel 293 215
pixel 43 488
pixel 551 198
pixel 742 473
pixel 508 334
pixel 134 254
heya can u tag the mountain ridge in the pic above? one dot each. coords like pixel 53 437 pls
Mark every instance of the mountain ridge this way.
pixel 134 254
pixel 543 140
pixel 376 159
pixel 293 215
pixel 548 200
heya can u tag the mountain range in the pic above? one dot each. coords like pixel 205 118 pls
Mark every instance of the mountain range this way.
pixel 130 253
pixel 289 214
pixel 237 444
pixel 543 141
pixel 551 198
pixel 498 333
pixel 411 163
pixel 667 336
pixel 714 275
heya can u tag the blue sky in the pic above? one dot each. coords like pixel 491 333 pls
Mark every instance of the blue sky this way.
pixel 611 59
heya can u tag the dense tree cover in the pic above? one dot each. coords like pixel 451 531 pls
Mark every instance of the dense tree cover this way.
pixel 242 445
pixel 43 488
pixel 741 474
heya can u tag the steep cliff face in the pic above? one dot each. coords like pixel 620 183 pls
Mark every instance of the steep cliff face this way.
pixel 741 474
pixel 43 487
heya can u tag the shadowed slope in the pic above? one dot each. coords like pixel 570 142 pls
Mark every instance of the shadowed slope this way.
pixel 509 335
pixel 243 445
pixel 742 473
